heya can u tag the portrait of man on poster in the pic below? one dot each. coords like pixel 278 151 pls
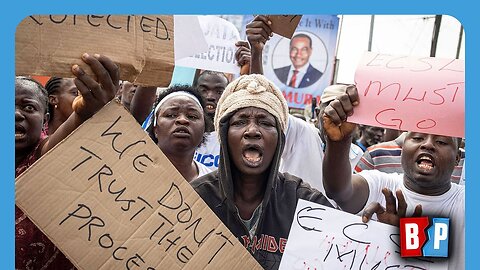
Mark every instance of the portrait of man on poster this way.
pixel 301 72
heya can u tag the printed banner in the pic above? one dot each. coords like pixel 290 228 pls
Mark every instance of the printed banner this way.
pixel 311 51
pixel 221 36
pixel 187 32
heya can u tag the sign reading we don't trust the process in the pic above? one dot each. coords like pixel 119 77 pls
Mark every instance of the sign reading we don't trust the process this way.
pixel 422 94
pixel 110 199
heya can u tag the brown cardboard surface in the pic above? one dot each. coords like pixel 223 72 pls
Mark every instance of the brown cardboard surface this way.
pixel 141 45
pixel 109 199
pixel 284 25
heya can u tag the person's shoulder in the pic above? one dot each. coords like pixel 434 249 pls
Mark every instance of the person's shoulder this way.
pixel 291 181
pixel 297 124
pixel 313 71
pixel 282 71
pixel 376 175
pixel 287 178
pixel 388 145
pixel 302 190
pixel 208 181
pixel 287 68
pixel 208 188
pixel 458 190
pixel 355 151
pixel 202 169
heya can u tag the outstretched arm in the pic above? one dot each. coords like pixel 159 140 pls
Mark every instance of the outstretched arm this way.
pixel 349 191
pixel 95 94
pixel 258 33
pixel 142 102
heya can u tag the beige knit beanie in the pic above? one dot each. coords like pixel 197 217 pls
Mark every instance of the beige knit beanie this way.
pixel 252 91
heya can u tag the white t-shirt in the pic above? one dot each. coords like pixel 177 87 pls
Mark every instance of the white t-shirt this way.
pixel 303 153
pixel 202 169
pixel 208 153
pixel 462 176
pixel 450 204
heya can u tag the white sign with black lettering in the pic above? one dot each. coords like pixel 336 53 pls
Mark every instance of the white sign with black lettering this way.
pixel 221 36
pixel 325 238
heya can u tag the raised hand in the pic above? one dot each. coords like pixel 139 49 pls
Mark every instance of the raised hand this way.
pixel 390 214
pixel 336 113
pixel 243 53
pixel 259 32
pixel 95 93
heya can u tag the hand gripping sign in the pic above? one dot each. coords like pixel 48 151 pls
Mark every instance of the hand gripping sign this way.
pixel 110 199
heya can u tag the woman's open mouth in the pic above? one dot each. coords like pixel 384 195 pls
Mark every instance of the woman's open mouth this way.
pixel 19 132
pixel 252 155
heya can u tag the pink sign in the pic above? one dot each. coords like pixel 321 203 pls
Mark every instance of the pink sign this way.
pixel 422 94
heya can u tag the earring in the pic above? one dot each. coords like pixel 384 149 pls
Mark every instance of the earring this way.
pixel 56 106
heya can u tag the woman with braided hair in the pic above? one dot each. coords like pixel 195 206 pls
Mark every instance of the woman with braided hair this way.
pixel 33 250
pixel 61 93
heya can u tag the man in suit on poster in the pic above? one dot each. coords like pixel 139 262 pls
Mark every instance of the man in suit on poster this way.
pixel 301 73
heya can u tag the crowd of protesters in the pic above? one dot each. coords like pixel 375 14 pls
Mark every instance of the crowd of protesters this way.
pixel 246 156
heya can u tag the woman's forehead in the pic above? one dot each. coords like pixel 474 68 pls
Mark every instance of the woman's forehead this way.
pixel 67 82
pixel 253 110
pixel 29 89
pixel 181 101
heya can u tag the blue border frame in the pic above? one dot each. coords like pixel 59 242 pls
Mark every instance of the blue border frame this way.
pixel 15 11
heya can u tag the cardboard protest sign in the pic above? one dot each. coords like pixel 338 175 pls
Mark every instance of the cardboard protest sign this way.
pixel 221 36
pixel 422 94
pixel 325 238
pixel 110 199
pixel 284 25
pixel 142 46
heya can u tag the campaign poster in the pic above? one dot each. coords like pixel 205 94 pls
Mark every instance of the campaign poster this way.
pixel 304 65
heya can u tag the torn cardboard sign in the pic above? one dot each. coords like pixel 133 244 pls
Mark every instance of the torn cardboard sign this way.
pixel 141 45
pixel 109 199
pixel 285 25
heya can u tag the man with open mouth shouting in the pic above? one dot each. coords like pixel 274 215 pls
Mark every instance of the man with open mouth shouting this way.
pixel 424 188
pixel 247 192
